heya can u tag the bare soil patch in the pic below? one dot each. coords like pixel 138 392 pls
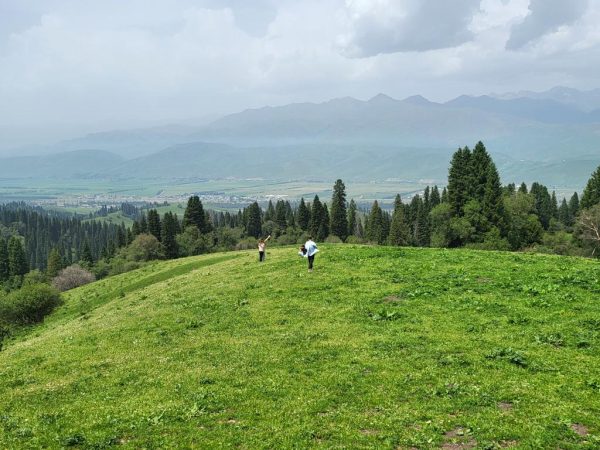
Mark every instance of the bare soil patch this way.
pixel 580 429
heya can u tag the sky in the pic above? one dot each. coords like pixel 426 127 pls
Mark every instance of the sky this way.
pixel 69 67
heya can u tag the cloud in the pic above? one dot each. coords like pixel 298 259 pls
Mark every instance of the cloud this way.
pixel 546 16
pixel 390 26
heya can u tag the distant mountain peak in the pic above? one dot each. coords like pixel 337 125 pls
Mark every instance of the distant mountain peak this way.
pixel 382 98
pixel 418 100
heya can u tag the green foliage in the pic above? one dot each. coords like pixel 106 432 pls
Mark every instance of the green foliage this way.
pixel 303 215
pixel 28 305
pixel 154 225
pixel 399 229
pixel 17 261
pixel 339 218
pixel 55 263
pixel 191 242
pixel 169 233
pixel 4 262
pixel 144 247
pixel 194 215
pixel 591 193
pixel 253 221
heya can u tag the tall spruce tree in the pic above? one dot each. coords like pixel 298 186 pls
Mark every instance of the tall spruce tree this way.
pixel 316 216
pixel 253 224
pixel 523 188
pixel 554 203
pixel 324 224
pixel 86 254
pixel 270 212
pixel 281 215
pixel 493 201
pixel 352 219
pixel 399 230
pixel 543 203
pixel 17 259
pixel 154 226
pixel 479 163
pixel 375 231
pixel 591 193
pixel 564 215
pixel 460 180
pixel 55 263
pixel 303 215
pixel 168 233
pixel 574 205
pixel 194 215
pixel 339 214
pixel 4 266
pixel 435 197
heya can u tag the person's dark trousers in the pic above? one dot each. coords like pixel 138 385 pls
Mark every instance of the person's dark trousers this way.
pixel 311 260
pixel 261 256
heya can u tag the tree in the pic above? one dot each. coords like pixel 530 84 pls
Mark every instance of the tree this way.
pixel 316 216
pixel 435 198
pixel 17 260
pixel 281 215
pixel 4 265
pixel 375 231
pixel 169 233
pixel 154 226
pixel 86 254
pixel 574 205
pixel 591 193
pixel 524 227
pixel 479 162
pixel 352 219
pixel 523 188
pixel 543 203
pixel 399 230
pixel 554 205
pixel 339 214
pixel 303 215
pixel 72 277
pixel 588 228
pixel 459 180
pixel 55 263
pixel 144 247
pixel 324 227
pixel 270 212
pixel 194 215
pixel 254 225
pixel 564 214
pixel 493 200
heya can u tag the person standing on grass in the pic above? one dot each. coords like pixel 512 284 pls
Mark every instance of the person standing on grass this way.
pixel 311 251
pixel 262 245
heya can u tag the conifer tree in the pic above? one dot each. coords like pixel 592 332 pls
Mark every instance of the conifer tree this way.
pixel 281 215
pixel 4 266
pixel 493 201
pixel 17 259
pixel 564 215
pixel 554 203
pixel 194 215
pixel 289 215
pixel 168 233
pixel 543 203
pixel 399 230
pixel 55 263
pixel 352 219
pixel 523 188
pixel 254 225
pixel 375 231
pixel 422 232
pixel 339 214
pixel 444 198
pixel 324 224
pixel 143 224
pixel 86 254
pixel 459 180
pixel 435 198
pixel 574 205
pixel 316 216
pixel 479 163
pixel 591 193
pixel 270 212
pixel 154 224
pixel 303 215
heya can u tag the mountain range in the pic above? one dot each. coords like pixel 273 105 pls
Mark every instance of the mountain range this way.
pixel 552 137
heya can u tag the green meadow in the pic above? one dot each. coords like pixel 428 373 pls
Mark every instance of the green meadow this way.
pixel 379 347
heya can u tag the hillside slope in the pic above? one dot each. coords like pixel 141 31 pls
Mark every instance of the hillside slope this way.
pixel 379 347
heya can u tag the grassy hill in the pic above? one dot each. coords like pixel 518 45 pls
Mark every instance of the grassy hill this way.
pixel 379 347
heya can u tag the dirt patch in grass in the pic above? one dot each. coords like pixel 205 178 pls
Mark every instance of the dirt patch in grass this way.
pixel 505 406
pixel 368 432
pixel 393 299
pixel 508 444
pixel 580 430
pixel 458 439
pixel 484 280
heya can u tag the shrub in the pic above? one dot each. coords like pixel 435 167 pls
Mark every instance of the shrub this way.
pixel 355 240
pixel 145 247
pixel 333 240
pixel 72 277
pixel 30 304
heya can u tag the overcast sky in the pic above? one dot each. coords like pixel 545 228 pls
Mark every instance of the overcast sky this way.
pixel 73 66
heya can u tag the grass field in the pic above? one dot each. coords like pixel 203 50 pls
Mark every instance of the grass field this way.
pixel 378 348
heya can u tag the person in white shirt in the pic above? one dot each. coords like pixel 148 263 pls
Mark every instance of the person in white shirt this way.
pixel 311 251
pixel 262 245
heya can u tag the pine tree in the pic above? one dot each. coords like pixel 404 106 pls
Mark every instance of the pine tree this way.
pixel 493 201
pixel 554 203
pixel 324 227
pixel 564 215
pixel 143 224
pixel 316 215
pixel 339 214
pixel 270 212
pixel 303 215
pixel 352 220
pixel 459 180
pixel 254 225
pixel 281 215
pixel 435 197
pixel 194 215
pixel 55 263
pixel 591 193
pixel 168 233
pixel 86 254
pixel 479 163
pixel 543 203
pixel 523 188
pixel 17 259
pixel 399 230
pixel 422 232
pixel 574 205
pixel 375 231
pixel 444 198
pixel 4 266
pixel 154 225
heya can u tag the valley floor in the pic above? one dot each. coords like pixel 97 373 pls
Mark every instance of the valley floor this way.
pixel 378 348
